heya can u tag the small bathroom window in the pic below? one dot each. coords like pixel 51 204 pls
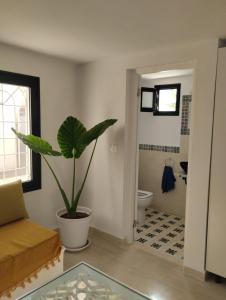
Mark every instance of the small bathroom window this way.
pixel 147 99
pixel 167 100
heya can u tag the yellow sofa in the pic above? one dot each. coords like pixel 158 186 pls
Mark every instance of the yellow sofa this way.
pixel 25 247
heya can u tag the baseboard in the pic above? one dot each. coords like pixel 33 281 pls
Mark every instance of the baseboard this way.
pixel 93 230
pixel 195 274
pixel 100 230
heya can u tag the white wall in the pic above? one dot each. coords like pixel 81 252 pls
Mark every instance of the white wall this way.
pixel 58 84
pixel 103 95
pixel 162 130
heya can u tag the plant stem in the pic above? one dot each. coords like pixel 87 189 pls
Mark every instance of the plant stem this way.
pixel 73 182
pixel 59 186
pixel 75 202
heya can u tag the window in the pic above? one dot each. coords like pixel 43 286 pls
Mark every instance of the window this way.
pixel 19 109
pixel 147 99
pixel 167 100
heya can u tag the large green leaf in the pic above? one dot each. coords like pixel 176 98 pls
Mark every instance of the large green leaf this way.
pixel 73 137
pixel 37 144
pixel 97 131
pixel 70 138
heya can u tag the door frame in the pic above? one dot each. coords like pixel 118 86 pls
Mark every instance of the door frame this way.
pixel 131 163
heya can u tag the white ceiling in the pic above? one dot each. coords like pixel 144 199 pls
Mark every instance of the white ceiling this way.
pixel 167 74
pixel 85 30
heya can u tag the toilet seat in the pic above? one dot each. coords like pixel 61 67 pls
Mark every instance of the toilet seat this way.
pixel 143 194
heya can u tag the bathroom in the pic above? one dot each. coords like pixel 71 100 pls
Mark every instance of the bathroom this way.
pixel 163 136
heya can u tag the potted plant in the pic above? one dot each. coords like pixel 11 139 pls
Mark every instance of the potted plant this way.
pixel 73 138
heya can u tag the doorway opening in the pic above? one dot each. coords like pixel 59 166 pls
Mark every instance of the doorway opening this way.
pixel 163 131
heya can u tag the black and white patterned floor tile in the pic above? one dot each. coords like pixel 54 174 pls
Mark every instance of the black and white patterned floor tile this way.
pixel 163 233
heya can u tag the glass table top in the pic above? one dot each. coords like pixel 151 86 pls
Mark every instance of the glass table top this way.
pixel 83 282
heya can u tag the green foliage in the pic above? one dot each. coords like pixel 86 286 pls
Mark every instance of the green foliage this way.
pixel 70 138
pixel 37 144
pixel 73 138
pixel 97 131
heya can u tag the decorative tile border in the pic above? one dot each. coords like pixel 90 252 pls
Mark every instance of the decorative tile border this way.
pixel 185 131
pixel 186 100
pixel 159 148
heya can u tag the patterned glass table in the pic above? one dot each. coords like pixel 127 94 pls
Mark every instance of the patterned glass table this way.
pixel 83 282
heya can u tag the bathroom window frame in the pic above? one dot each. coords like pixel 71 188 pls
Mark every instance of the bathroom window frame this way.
pixel 160 87
pixel 151 91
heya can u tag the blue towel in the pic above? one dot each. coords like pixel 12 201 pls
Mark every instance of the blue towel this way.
pixel 168 179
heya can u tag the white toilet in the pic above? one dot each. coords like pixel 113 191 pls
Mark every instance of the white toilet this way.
pixel 144 200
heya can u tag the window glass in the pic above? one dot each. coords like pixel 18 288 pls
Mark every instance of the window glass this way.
pixel 167 100
pixel 147 100
pixel 15 158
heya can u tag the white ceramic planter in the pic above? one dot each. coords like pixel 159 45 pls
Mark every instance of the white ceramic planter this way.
pixel 74 232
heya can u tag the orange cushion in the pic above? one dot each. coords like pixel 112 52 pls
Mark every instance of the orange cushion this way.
pixel 12 206
pixel 25 247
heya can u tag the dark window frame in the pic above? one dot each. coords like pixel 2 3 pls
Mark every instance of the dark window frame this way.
pixel 34 84
pixel 147 109
pixel 177 86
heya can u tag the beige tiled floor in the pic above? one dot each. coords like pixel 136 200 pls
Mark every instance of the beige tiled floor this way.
pixel 156 277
